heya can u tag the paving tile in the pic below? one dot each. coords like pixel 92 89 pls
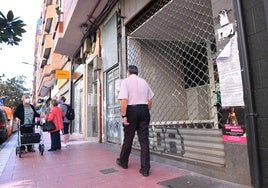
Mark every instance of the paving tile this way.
pixel 83 164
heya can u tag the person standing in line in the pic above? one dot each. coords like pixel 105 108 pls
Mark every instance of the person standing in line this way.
pixel 66 122
pixel 136 100
pixel 56 115
pixel 25 113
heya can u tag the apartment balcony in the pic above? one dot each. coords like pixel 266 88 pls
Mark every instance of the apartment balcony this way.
pixel 50 11
pixel 47 45
pixel 76 13
pixel 47 80
pixel 44 78
pixel 49 16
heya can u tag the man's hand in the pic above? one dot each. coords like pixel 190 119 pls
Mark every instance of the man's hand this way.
pixel 125 122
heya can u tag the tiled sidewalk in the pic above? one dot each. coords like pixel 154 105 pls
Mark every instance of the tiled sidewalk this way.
pixel 89 164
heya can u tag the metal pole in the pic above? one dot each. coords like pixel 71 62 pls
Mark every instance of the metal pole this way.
pixel 71 91
pixel 249 99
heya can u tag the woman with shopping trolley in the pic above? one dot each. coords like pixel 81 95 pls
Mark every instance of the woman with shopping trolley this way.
pixel 25 113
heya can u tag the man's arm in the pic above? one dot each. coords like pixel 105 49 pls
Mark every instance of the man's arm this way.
pixel 124 111
pixel 150 102
pixel 124 107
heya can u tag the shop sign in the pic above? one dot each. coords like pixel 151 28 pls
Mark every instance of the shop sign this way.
pixel 62 74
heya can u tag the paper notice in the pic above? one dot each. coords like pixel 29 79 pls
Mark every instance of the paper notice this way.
pixel 229 71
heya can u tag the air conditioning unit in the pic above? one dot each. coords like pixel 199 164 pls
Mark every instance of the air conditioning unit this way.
pixel 87 46
pixel 97 62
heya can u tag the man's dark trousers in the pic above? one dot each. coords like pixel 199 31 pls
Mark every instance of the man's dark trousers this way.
pixel 139 118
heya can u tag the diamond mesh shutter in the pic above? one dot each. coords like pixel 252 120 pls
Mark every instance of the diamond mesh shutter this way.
pixel 172 43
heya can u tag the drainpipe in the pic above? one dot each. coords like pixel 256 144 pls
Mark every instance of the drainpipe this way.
pixel 99 76
pixel 71 91
pixel 100 106
pixel 100 92
pixel 250 111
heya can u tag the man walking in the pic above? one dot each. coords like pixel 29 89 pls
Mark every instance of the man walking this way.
pixel 66 122
pixel 136 100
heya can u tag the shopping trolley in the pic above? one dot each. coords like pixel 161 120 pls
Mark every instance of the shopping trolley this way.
pixel 30 138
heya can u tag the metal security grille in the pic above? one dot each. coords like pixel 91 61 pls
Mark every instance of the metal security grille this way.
pixel 173 44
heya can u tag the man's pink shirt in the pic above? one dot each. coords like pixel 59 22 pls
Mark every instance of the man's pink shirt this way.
pixel 136 90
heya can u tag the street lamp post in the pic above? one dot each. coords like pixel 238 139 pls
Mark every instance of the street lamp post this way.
pixel 23 62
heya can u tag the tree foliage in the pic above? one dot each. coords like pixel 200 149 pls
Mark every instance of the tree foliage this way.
pixel 11 29
pixel 12 89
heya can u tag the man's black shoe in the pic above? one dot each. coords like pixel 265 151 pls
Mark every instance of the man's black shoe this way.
pixel 145 174
pixel 119 163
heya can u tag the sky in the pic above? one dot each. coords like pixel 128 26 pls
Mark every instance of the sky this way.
pixel 11 57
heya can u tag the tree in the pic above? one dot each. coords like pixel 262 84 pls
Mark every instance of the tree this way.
pixel 11 29
pixel 12 89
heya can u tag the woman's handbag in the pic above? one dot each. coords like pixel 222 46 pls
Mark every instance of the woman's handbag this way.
pixel 48 126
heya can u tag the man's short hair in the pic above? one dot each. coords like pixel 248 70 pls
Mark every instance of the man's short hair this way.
pixel 132 69
pixel 63 98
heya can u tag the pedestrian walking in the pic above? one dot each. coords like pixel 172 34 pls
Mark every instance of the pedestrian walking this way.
pixel 56 116
pixel 25 113
pixel 136 100
pixel 66 122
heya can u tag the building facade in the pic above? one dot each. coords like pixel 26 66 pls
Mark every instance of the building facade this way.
pixel 191 52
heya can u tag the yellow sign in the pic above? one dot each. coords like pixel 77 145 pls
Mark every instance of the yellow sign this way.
pixel 61 82
pixel 62 74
